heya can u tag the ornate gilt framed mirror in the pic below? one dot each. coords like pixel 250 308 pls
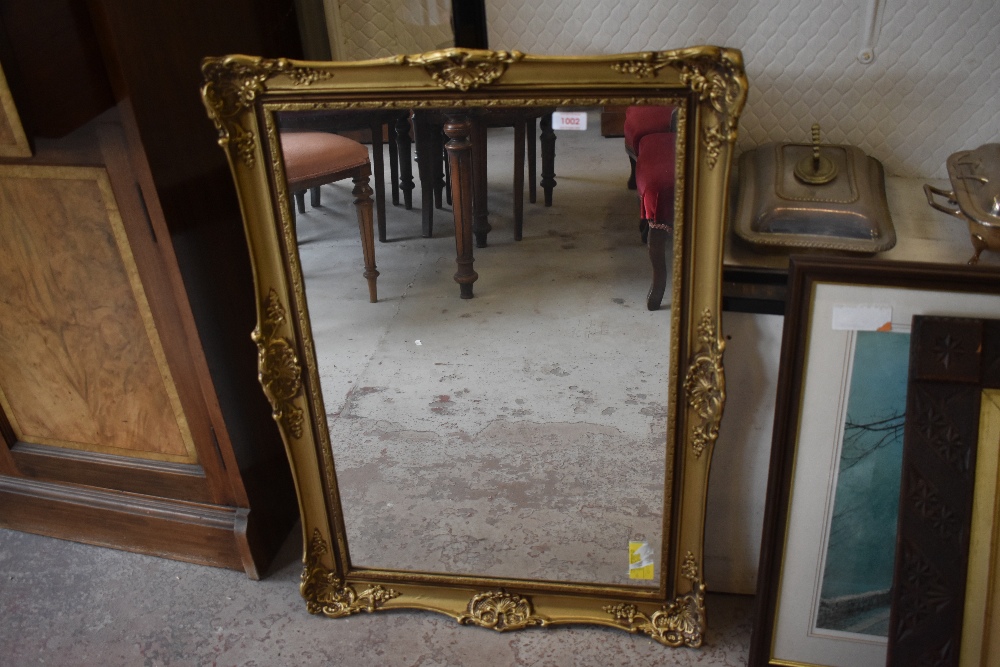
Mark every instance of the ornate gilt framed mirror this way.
pixel 527 457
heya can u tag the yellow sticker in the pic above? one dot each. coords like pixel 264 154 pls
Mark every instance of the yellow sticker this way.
pixel 640 560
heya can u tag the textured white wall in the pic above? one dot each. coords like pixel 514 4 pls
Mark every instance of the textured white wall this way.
pixel 379 28
pixel 931 90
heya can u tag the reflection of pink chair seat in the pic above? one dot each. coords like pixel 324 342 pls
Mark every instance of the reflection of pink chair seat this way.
pixel 640 121
pixel 313 159
pixel 655 176
pixel 319 156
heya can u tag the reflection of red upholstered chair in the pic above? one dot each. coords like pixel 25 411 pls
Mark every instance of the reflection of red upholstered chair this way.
pixel 313 159
pixel 655 179
pixel 643 120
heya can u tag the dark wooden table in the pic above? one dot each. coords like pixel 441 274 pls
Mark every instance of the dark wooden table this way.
pixel 754 279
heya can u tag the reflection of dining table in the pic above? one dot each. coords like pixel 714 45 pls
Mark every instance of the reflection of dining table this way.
pixel 427 128
pixel 466 169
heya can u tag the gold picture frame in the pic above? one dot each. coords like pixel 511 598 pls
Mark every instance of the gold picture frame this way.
pixel 243 96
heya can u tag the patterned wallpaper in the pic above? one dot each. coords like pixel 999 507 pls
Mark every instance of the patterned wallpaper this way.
pixel 932 89
pixel 379 28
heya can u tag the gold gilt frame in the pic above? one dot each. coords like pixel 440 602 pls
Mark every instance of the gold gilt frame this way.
pixel 243 94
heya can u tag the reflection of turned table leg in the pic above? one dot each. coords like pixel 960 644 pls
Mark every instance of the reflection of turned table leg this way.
pixel 519 127
pixel 459 146
pixel 532 176
pixel 424 131
pixel 393 161
pixel 548 139
pixel 405 160
pixel 657 241
pixel 438 164
pixel 480 213
pixel 378 160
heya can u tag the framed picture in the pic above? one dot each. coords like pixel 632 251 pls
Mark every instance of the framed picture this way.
pixel 828 549
pixel 942 597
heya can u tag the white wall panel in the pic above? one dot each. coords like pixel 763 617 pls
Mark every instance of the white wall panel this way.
pixel 931 90
pixel 379 28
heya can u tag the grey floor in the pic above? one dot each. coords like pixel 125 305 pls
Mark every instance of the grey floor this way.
pixel 63 603
pixel 449 455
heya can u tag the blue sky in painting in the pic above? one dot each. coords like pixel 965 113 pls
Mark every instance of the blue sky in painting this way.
pixel 862 534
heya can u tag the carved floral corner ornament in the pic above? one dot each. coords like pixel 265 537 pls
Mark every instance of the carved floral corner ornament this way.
pixel 232 84
pixel 324 590
pixel 278 367
pixel 718 79
pixel 722 82
pixel 679 623
pixel 460 69
pixel 705 385
pixel 501 611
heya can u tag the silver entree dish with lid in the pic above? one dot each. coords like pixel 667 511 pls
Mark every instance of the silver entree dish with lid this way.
pixel 975 195
pixel 813 197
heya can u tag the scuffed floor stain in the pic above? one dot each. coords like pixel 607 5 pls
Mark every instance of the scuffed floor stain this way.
pixel 354 394
pixel 555 370
pixel 440 404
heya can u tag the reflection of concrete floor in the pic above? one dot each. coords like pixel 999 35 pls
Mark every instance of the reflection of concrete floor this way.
pixel 517 434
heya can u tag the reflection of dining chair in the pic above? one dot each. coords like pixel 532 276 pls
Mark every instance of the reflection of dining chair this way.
pixel 643 120
pixel 656 180
pixel 651 145
pixel 313 159
pixel 373 123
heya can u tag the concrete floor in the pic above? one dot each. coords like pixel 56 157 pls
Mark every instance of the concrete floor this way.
pixel 67 604
pixel 519 433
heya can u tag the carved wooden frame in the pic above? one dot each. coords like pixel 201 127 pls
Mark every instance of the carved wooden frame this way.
pixel 806 274
pixel 954 372
pixel 242 96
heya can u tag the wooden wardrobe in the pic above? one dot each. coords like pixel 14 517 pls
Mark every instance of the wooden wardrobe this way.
pixel 130 413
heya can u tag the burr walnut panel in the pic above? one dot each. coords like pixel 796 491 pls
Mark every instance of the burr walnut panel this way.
pixel 81 363
pixel 128 417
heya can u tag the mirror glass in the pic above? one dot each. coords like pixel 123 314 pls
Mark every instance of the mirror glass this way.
pixel 518 434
